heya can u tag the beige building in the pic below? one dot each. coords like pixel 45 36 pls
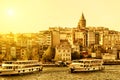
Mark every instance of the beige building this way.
pixel 99 33
pixel 63 51
pixel 67 36
pixel 64 34
pixel 4 50
pixel 91 38
pixel 23 53
pixel 55 38
pixel 21 40
pixel 45 37
pixel 49 37
pixel 35 53
pixel 112 39
pixel 13 52
pixel 76 48
pixel 80 37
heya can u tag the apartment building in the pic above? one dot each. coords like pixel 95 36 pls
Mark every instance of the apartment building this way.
pixel 45 37
pixel 112 39
pixel 80 37
pixel 23 53
pixel 35 52
pixel 67 36
pixel 21 40
pixel 91 38
pixel 63 51
pixel 13 51
pixel 55 38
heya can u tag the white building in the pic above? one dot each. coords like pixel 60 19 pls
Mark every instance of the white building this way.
pixel 108 56
pixel 63 51
pixel 13 52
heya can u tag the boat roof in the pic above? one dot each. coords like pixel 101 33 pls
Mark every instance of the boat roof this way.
pixel 88 60
pixel 22 61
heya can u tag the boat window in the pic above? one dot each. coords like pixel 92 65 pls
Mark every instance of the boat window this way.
pixel 80 61
pixel 8 62
pixel 86 62
pixel 7 67
pixel 16 67
pixel 86 65
pixel 99 64
pixel 76 61
pixel 92 61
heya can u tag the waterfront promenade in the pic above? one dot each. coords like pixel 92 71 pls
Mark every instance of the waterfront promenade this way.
pixel 61 73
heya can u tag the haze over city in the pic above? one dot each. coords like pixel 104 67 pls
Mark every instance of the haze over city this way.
pixel 35 15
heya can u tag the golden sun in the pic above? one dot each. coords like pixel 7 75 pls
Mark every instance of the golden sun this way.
pixel 10 12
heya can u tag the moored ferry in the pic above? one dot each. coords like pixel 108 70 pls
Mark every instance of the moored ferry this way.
pixel 86 65
pixel 20 67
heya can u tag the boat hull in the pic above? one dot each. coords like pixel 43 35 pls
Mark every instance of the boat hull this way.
pixel 86 69
pixel 20 71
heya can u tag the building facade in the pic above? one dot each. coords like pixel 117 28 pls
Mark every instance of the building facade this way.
pixel 63 51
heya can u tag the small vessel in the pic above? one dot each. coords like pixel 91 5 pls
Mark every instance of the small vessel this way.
pixel 20 67
pixel 86 65
pixel 111 62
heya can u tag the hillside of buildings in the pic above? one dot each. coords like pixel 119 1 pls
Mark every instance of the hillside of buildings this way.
pixel 61 44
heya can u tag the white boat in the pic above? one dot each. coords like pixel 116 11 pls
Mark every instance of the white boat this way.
pixel 20 67
pixel 86 65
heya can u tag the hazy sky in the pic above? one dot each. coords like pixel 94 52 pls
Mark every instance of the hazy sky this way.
pixel 36 15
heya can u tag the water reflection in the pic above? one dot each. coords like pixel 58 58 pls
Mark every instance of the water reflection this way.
pixel 61 73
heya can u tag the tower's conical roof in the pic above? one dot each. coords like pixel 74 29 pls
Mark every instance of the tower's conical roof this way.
pixel 82 17
pixel 82 22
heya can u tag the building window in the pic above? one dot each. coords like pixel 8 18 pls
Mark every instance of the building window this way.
pixel 58 50
pixel 22 50
pixel 68 51
pixel 68 55
pixel 22 53
pixel 63 54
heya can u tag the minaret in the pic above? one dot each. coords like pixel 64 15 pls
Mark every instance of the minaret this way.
pixel 82 22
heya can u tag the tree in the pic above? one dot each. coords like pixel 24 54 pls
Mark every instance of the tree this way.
pixel 89 56
pixel 47 56
pixel 75 55
pixel 81 56
pixel 1 57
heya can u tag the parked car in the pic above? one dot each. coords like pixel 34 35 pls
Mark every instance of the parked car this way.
pixel 60 63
